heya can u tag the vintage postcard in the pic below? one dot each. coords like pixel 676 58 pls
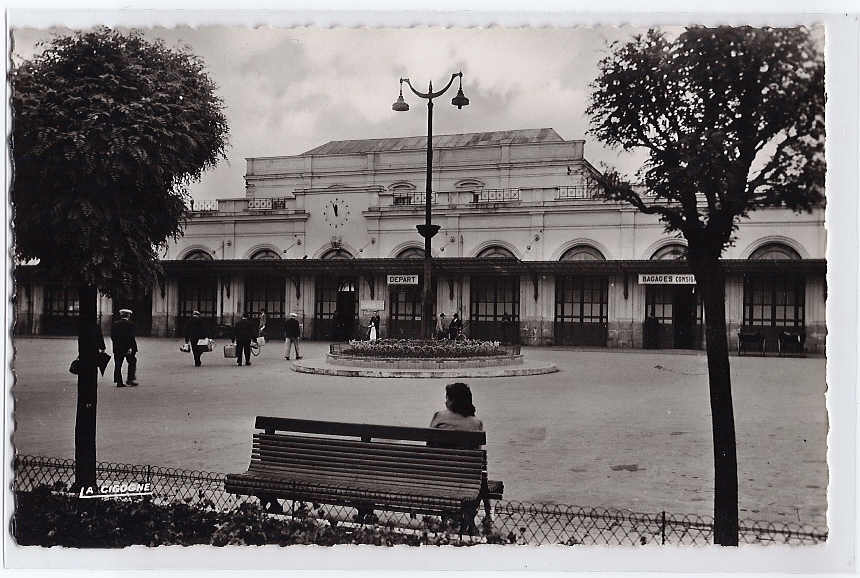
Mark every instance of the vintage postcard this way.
pixel 420 287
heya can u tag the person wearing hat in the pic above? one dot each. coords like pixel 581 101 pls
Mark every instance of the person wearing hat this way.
pixel 122 336
pixel 195 331
pixel 244 332
pixel 292 332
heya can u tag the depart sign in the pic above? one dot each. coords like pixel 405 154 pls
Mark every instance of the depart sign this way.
pixel 403 279
pixel 667 279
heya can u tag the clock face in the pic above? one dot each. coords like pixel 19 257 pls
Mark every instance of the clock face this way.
pixel 336 212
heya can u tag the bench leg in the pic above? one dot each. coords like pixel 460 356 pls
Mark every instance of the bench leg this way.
pixel 365 513
pixel 467 521
pixel 270 504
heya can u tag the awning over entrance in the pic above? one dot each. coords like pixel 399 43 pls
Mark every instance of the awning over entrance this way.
pixel 456 266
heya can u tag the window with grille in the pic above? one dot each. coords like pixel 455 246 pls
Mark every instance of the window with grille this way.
pixel 61 301
pixel 406 302
pixel 266 294
pixel 197 296
pixel 659 300
pixel 774 301
pixel 582 300
pixel 493 297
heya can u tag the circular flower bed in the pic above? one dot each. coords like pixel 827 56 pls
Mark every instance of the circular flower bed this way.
pixel 424 348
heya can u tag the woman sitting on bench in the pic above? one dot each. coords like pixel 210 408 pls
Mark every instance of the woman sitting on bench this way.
pixel 459 414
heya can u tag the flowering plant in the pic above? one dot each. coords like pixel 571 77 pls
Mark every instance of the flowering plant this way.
pixel 424 348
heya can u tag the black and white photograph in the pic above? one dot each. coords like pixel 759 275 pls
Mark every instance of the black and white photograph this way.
pixel 421 287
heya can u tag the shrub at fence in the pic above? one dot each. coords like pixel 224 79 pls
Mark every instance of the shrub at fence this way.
pixel 45 517
pixel 191 507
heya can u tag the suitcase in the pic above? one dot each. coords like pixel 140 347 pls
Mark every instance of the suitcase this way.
pixel 230 350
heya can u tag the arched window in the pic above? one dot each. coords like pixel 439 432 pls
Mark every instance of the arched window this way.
pixel 469 185
pixel 411 253
pixel 198 255
pixel 495 251
pixel 402 186
pixel 774 301
pixel 265 255
pixel 774 251
pixel 582 253
pixel 337 254
pixel 673 252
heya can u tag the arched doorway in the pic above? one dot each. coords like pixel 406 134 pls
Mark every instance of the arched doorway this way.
pixel 673 313
pixel 494 311
pixel 775 304
pixel 582 302
pixel 405 302
pixel 336 302
pixel 198 293
pixel 266 291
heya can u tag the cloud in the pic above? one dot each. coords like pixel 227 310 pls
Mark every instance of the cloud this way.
pixel 289 90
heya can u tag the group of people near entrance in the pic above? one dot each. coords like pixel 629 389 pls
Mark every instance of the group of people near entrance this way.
pixel 449 330
pixel 246 334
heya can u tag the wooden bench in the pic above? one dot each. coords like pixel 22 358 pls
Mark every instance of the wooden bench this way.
pixel 750 338
pixel 369 467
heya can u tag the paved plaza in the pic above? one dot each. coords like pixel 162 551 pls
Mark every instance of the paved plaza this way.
pixel 610 429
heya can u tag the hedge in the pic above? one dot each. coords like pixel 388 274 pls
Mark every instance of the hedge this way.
pixel 44 517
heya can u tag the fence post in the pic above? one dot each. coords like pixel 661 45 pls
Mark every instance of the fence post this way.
pixel 663 527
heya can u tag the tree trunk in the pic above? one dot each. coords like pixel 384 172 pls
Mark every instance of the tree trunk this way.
pixel 711 281
pixel 85 419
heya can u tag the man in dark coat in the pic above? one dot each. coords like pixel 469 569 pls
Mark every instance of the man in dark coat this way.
pixel 244 332
pixel 292 332
pixel 455 327
pixel 124 348
pixel 195 330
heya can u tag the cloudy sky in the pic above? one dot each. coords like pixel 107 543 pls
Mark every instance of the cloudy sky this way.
pixel 288 90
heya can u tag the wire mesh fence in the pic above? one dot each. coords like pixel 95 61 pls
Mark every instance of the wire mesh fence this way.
pixel 509 522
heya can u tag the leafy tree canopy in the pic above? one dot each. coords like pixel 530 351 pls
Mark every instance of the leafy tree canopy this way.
pixel 733 115
pixel 109 130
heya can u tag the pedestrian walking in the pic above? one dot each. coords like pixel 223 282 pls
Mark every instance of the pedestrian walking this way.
pixel 292 332
pixel 371 330
pixel 243 334
pixel 455 327
pixel 197 334
pixel 262 322
pixel 122 336
pixel 442 329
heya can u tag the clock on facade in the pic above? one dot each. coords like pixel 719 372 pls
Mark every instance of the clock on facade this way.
pixel 336 212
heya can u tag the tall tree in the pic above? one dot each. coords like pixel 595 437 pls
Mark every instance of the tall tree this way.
pixel 108 131
pixel 732 120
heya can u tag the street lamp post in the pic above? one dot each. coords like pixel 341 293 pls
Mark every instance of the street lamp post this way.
pixel 428 229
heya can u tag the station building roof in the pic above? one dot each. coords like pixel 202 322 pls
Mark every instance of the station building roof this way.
pixel 494 138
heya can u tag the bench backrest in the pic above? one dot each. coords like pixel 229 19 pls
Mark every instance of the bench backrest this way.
pixel 368 432
pixel 373 453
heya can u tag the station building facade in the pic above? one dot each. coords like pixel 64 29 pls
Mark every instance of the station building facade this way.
pixel 525 252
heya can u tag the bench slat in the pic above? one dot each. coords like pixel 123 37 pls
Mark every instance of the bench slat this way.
pixel 341 496
pixel 361 430
pixel 303 470
pixel 366 467
pixel 377 447
pixel 267 452
pixel 359 484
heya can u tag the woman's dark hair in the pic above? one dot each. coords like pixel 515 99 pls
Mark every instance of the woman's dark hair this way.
pixel 461 398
